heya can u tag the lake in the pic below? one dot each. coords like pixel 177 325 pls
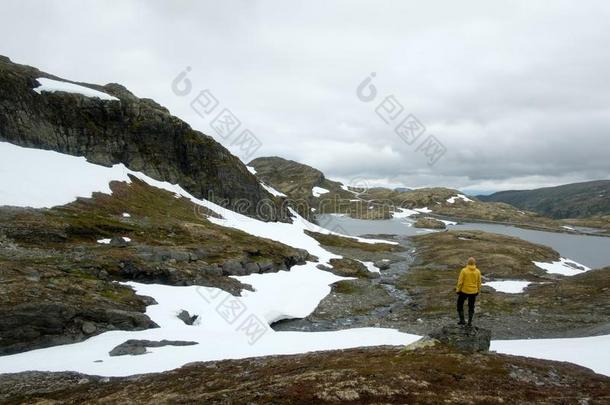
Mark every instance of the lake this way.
pixel 592 251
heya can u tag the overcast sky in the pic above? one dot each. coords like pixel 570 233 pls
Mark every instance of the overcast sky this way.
pixel 518 92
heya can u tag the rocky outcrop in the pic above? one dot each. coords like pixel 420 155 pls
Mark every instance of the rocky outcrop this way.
pixel 43 324
pixel 297 181
pixel 464 338
pixel 134 347
pixel 187 318
pixel 136 132
pixel 429 223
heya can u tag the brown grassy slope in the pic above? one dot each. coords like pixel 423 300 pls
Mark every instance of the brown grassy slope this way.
pixel 157 219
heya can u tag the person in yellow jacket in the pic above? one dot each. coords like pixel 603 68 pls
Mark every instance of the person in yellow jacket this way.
pixel 467 288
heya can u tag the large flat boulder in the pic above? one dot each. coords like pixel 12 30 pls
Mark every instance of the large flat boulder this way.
pixel 465 338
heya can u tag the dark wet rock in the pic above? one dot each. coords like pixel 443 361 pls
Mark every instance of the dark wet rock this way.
pixel 212 269
pixel 135 347
pixel 252 268
pixel 233 268
pixel 164 273
pixel 465 338
pixel 266 266
pixel 88 328
pixel 118 241
pixel 29 326
pixel 160 254
pixel 185 317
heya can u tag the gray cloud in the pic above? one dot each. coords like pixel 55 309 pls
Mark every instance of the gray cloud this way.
pixel 518 91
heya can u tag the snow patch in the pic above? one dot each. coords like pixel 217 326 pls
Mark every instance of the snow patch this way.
pixel 51 86
pixel 126 215
pixel 318 191
pixel 251 169
pixel 565 267
pixel 346 188
pixel 447 223
pixel 287 294
pixel 591 352
pixel 403 213
pixel 106 241
pixel 272 191
pixel 370 266
pixel 424 210
pixel 508 286
pixel 452 200
pixel 44 179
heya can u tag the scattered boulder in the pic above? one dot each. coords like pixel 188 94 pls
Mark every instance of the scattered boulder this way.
pixel 185 317
pixel 7 243
pixel 382 265
pixel 252 268
pixel 233 268
pixel 118 241
pixel 212 270
pixel 136 347
pixel 346 267
pixel 266 266
pixel 469 339
pixel 88 328
pixel 426 341
pixel 430 223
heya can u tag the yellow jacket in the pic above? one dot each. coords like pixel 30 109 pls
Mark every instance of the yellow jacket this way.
pixel 469 281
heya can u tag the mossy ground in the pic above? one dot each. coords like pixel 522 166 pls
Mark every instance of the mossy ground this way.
pixel 552 306
pixel 366 375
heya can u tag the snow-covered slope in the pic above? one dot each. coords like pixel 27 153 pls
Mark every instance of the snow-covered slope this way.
pixel 229 327
pixel 286 294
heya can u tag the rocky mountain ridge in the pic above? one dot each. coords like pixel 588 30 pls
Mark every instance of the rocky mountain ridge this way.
pixel 134 131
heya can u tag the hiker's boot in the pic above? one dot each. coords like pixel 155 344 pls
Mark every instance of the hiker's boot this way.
pixel 461 315
pixel 470 316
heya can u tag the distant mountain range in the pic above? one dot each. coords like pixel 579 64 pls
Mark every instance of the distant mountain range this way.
pixel 576 200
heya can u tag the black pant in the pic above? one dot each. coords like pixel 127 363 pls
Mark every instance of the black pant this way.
pixel 471 300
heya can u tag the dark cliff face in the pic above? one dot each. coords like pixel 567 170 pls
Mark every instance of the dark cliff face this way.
pixel 136 132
